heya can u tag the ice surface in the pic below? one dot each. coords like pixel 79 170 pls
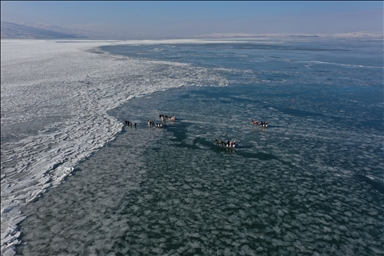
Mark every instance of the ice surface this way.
pixel 292 188
pixel 54 99
pixel 194 199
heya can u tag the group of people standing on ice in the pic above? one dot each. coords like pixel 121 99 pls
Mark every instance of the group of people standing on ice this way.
pixel 152 123
pixel 128 123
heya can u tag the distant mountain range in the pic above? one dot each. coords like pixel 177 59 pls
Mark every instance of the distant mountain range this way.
pixel 28 30
pixel 361 34
pixel 37 31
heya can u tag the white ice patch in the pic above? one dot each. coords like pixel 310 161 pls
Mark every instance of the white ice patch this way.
pixel 67 90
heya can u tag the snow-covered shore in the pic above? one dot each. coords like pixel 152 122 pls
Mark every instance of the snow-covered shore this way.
pixel 62 91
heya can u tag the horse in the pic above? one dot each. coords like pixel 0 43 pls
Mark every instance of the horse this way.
pixel 227 144
pixel 220 142
pixel 163 117
pixel 254 122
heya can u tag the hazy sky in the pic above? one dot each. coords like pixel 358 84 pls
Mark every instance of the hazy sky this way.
pixel 183 19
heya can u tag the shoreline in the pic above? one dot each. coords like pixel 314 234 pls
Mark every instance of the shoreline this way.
pixel 93 78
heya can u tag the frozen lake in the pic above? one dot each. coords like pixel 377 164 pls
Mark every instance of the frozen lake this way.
pixel 311 183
